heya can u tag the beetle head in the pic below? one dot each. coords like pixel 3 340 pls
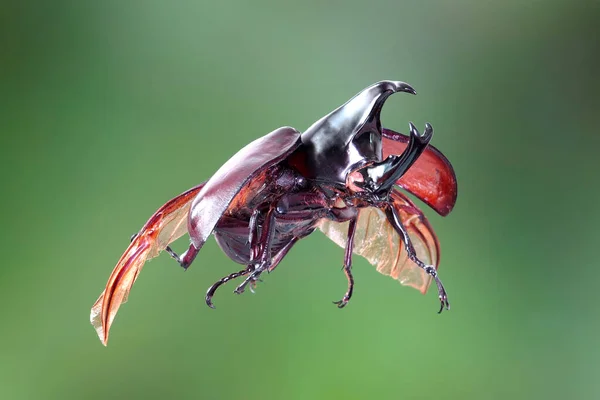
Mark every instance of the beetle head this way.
pixel 349 137
pixel 375 180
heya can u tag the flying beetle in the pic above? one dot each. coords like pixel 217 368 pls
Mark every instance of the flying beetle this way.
pixel 342 175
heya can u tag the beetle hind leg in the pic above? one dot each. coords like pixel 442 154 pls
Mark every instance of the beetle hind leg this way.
pixel 186 259
pixel 252 280
pixel 274 263
pixel 211 290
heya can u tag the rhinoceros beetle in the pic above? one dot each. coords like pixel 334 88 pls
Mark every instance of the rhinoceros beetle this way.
pixel 340 176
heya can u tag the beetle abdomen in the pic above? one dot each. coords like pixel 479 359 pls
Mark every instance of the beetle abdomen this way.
pixel 232 237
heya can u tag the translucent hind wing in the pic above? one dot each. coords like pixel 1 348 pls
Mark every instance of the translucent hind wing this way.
pixel 378 242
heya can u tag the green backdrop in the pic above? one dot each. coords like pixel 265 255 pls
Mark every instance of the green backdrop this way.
pixel 110 108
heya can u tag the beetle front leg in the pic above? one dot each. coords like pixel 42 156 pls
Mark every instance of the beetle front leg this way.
pixel 348 264
pixel 394 219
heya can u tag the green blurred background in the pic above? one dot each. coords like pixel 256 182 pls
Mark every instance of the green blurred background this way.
pixel 108 109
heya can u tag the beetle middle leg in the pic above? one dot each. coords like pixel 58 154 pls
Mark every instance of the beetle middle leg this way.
pixel 394 219
pixel 312 206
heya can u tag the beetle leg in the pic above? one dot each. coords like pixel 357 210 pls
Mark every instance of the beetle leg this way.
pixel 276 260
pixel 253 233
pixel 253 284
pixel 186 258
pixel 211 290
pixel 264 247
pixel 253 242
pixel 380 177
pixel 348 264
pixel 394 219
pixel 253 229
pixel 172 253
pixel 252 279
pixel 282 253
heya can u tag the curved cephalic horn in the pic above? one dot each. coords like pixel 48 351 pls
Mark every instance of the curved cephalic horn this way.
pixel 329 150
pixel 364 107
